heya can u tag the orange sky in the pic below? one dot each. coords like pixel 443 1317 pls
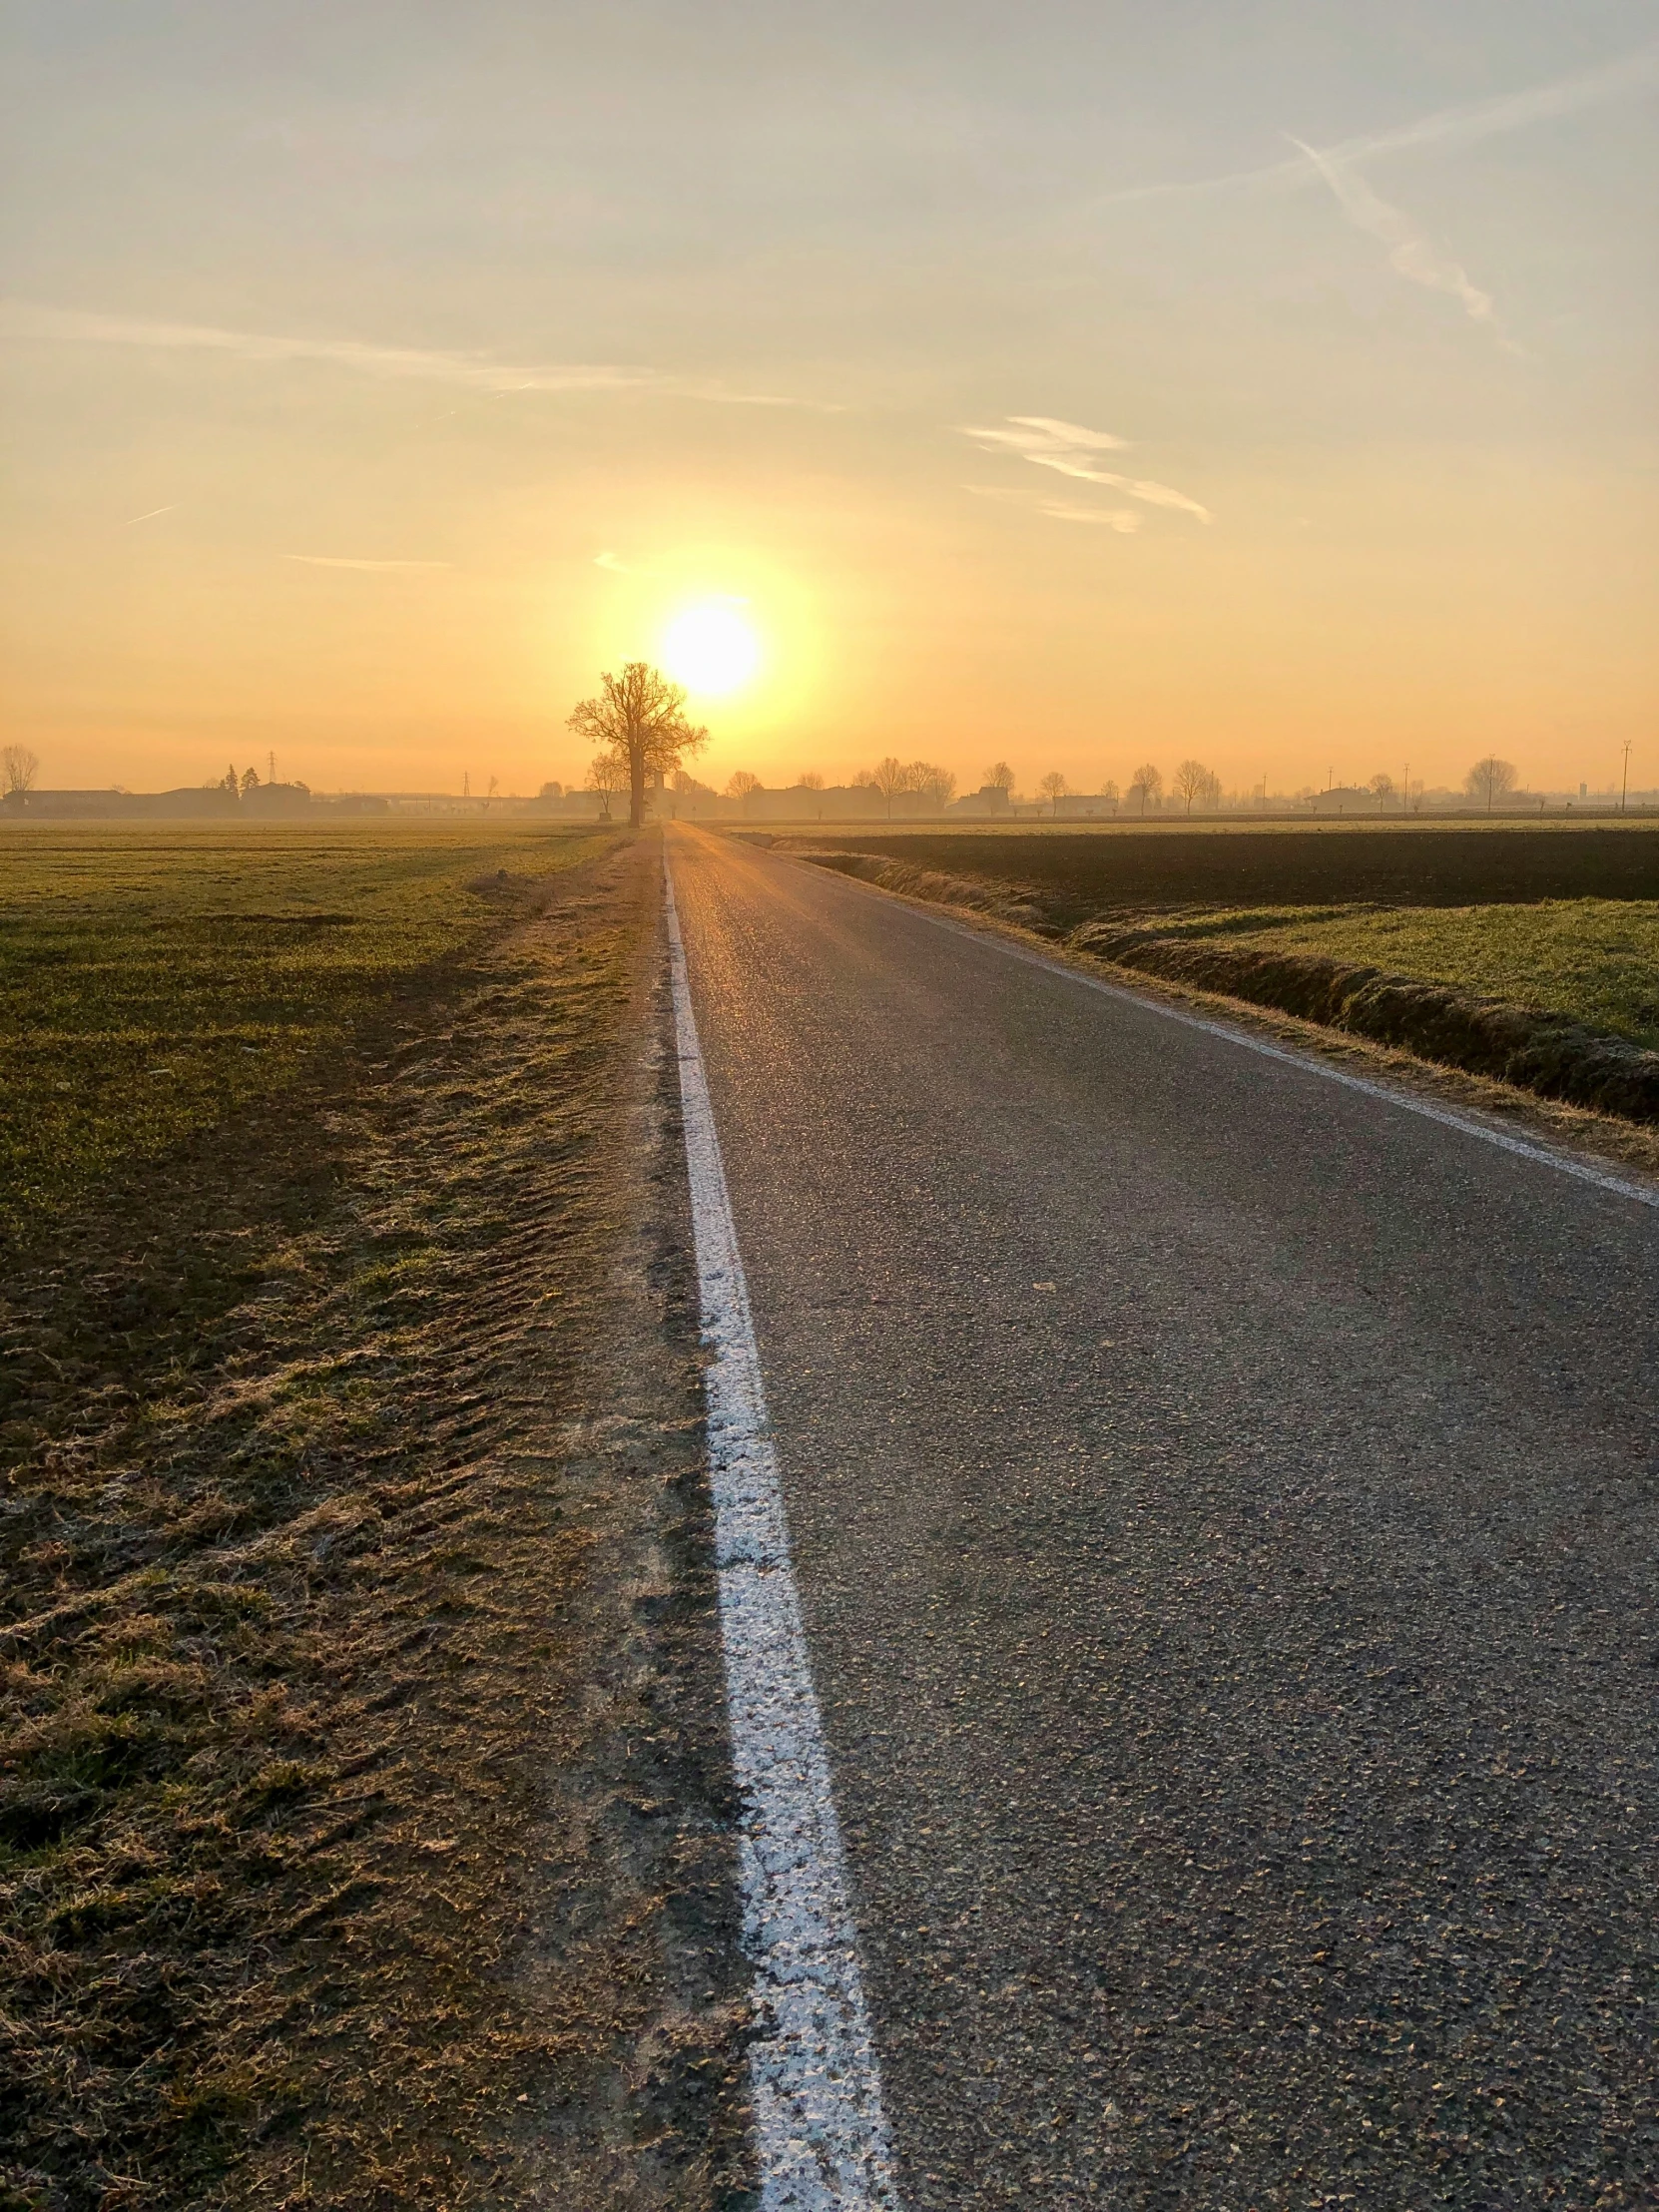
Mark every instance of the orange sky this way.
pixel 1027 384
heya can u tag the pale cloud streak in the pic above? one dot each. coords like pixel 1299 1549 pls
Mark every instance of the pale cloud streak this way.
pixel 1410 255
pixel 469 372
pixel 1627 77
pixel 1070 449
pixel 617 566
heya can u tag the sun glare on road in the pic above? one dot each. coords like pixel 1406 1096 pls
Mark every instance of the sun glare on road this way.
pixel 710 649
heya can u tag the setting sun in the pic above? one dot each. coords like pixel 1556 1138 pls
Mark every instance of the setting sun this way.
pixel 710 649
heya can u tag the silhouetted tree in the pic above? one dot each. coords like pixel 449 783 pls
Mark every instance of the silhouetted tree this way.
pixel 936 783
pixel 999 777
pixel 607 775
pixel 1146 785
pixel 1192 781
pixel 890 778
pixel 1055 787
pixel 18 768
pixel 640 717
pixel 1489 779
pixel 809 781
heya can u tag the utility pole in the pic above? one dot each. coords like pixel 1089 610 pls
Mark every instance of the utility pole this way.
pixel 1624 787
pixel 1405 794
pixel 271 767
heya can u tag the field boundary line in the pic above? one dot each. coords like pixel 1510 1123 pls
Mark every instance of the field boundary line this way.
pixel 1448 1116
pixel 821 2136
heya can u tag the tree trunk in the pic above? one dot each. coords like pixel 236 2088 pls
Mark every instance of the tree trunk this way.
pixel 635 784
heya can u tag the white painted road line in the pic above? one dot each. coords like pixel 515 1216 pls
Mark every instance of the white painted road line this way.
pixel 821 2135
pixel 1563 1162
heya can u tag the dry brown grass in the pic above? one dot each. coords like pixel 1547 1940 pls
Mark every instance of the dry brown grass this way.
pixel 361 1784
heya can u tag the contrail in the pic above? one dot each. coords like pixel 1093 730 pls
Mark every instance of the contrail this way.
pixel 1628 77
pixel 1409 254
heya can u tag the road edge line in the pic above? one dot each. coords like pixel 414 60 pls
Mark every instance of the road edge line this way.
pixel 1546 1155
pixel 821 2137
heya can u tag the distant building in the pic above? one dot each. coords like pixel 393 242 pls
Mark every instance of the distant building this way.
pixel 259 802
pixel 990 799
pixel 1347 799
pixel 114 805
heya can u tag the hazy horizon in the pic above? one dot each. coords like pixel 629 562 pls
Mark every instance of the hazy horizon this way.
pixel 1076 388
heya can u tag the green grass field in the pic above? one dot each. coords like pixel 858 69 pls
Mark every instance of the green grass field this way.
pixel 154 979
pixel 1594 959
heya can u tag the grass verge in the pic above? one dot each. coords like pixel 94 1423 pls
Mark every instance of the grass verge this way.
pixel 364 1810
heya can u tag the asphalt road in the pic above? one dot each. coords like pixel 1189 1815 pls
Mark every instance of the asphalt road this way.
pixel 1224 1508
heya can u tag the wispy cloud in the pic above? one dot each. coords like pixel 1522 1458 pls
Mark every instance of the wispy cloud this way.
pixel 1122 519
pixel 1035 435
pixel 151 516
pixel 471 371
pixel 619 567
pixel 1626 77
pixel 1408 253
pixel 337 560
pixel 1070 449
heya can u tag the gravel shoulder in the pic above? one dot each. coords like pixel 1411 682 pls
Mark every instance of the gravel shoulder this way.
pixel 363 1794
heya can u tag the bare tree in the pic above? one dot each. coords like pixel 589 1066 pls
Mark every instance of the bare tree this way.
pixel 741 784
pixel 1381 787
pixel 607 775
pixel 1146 785
pixel 495 785
pixel 1490 778
pixel 1055 787
pixel 1192 781
pixel 936 783
pixel 18 768
pixel 641 717
pixel 999 777
pixel 1110 794
pixel 809 781
pixel 890 778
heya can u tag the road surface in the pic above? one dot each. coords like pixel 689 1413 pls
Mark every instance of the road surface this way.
pixel 1224 1509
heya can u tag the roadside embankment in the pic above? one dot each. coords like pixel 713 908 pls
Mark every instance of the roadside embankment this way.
pixel 1544 1048
pixel 1528 1046
pixel 1004 901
